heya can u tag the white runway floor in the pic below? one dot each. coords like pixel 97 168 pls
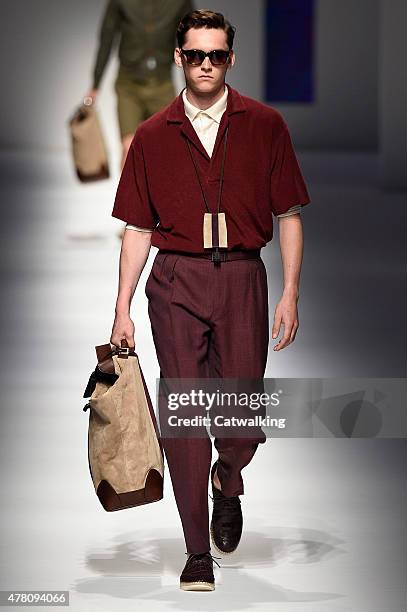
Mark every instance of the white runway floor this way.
pixel 324 519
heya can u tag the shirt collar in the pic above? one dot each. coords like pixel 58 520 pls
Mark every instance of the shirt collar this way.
pixel 175 112
pixel 215 111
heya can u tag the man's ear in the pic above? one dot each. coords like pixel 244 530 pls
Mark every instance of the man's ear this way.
pixel 177 57
pixel 231 60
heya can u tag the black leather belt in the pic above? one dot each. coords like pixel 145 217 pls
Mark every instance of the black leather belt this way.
pixel 224 255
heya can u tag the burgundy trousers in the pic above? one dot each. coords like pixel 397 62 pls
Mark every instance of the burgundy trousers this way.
pixel 207 320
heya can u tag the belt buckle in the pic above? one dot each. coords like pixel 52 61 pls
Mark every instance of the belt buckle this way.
pixel 218 256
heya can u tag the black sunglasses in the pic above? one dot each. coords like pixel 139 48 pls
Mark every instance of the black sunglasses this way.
pixel 195 57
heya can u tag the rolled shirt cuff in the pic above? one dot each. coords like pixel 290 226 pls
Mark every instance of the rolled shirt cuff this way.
pixel 291 211
pixel 138 229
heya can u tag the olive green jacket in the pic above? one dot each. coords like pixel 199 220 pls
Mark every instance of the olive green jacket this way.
pixel 147 30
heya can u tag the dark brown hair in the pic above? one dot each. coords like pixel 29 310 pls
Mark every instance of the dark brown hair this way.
pixel 204 19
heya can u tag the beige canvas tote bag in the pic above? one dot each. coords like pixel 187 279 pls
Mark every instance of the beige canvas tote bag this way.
pixel 125 453
pixel 88 144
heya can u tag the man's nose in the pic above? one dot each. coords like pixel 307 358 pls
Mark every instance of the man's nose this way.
pixel 206 64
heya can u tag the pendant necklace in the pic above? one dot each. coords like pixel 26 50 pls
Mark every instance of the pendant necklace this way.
pixel 214 224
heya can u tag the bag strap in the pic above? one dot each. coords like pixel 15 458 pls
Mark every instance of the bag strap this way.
pixel 105 352
pixel 124 351
pixel 105 370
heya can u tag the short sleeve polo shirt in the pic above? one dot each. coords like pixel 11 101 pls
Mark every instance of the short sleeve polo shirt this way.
pixel 159 190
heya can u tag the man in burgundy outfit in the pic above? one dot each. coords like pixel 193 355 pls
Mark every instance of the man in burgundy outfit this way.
pixel 202 181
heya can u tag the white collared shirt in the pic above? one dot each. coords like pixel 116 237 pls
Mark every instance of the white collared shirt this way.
pixel 206 123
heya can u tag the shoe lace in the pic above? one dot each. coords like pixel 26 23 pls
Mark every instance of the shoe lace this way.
pixel 231 503
pixel 201 556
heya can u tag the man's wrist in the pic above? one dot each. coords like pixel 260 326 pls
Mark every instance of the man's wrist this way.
pixel 292 291
pixel 122 308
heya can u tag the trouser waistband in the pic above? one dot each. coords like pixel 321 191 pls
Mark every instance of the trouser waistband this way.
pixel 224 255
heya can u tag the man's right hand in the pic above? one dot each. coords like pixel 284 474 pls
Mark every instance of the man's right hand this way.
pixel 123 329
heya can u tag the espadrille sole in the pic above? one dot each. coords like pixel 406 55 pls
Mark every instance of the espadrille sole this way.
pixel 197 585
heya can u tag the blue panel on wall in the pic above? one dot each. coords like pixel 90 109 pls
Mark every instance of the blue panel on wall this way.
pixel 289 51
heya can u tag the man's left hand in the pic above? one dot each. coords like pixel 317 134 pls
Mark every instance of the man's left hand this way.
pixel 286 314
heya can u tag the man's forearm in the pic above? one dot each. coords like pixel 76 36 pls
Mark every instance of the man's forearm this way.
pixel 291 246
pixel 134 254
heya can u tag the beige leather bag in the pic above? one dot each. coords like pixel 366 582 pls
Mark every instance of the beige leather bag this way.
pixel 125 454
pixel 88 145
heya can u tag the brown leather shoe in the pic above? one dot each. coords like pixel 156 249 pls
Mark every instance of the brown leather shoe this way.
pixel 197 574
pixel 227 520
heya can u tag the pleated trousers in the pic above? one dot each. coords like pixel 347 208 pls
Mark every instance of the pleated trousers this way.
pixel 212 321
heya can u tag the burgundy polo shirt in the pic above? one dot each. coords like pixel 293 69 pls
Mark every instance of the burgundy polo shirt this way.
pixel 159 189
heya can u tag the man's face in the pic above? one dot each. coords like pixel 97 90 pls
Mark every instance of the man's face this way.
pixel 206 78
